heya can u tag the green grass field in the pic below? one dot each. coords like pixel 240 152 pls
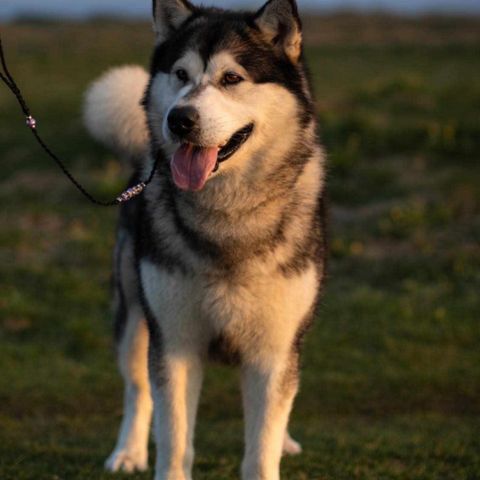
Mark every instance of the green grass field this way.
pixel 391 378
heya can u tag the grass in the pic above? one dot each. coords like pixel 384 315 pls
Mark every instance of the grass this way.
pixel 391 383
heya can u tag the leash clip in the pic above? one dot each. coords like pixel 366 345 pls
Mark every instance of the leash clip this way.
pixel 131 192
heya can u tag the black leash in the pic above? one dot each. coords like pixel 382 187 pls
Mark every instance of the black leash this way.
pixel 32 125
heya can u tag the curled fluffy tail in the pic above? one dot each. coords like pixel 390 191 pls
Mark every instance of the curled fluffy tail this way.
pixel 113 114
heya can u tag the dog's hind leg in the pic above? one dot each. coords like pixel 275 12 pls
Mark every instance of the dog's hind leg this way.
pixel 291 446
pixel 131 451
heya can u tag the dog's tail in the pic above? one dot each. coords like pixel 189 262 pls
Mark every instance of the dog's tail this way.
pixel 113 113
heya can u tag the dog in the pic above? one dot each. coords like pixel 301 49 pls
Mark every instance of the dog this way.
pixel 223 256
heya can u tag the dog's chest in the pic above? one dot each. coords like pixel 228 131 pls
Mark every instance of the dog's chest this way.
pixel 261 310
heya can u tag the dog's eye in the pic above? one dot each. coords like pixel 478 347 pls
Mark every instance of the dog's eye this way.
pixel 231 78
pixel 182 75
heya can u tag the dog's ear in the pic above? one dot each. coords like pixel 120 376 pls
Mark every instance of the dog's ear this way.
pixel 168 15
pixel 280 24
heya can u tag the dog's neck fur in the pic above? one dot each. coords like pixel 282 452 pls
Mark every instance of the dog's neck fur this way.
pixel 216 212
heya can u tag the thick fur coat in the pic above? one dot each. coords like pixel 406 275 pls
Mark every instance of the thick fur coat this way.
pixel 223 255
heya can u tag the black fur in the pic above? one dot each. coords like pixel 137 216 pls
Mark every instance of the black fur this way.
pixel 221 349
pixel 120 319
pixel 155 347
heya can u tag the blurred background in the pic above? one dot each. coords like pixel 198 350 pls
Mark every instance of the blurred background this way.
pixel 391 377
pixel 141 9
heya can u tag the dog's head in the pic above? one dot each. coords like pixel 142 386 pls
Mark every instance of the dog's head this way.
pixel 225 86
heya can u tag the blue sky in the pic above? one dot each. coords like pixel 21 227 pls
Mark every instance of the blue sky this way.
pixel 81 8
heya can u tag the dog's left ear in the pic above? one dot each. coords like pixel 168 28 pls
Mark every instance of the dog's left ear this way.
pixel 280 23
pixel 168 15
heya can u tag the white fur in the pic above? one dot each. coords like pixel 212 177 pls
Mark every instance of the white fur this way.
pixel 131 452
pixel 183 340
pixel 272 307
pixel 113 114
pixel 223 111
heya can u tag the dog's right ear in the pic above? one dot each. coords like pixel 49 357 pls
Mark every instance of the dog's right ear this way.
pixel 168 15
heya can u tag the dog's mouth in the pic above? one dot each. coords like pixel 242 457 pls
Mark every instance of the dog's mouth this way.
pixel 191 165
pixel 235 142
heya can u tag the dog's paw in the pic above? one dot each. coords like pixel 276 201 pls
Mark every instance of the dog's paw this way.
pixel 126 461
pixel 290 446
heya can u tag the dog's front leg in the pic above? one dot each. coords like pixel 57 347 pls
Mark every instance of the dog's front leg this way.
pixel 176 385
pixel 268 394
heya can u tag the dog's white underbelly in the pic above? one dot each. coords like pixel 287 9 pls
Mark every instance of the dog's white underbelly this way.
pixel 259 313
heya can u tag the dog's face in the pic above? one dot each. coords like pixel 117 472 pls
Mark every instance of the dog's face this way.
pixel 223 86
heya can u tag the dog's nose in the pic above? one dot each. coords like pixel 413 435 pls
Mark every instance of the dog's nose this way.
pixel 183 120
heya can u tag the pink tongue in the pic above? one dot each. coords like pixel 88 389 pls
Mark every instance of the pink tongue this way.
pixel 191 166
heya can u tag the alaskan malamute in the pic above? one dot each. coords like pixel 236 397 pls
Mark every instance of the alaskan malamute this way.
pixel 223 255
